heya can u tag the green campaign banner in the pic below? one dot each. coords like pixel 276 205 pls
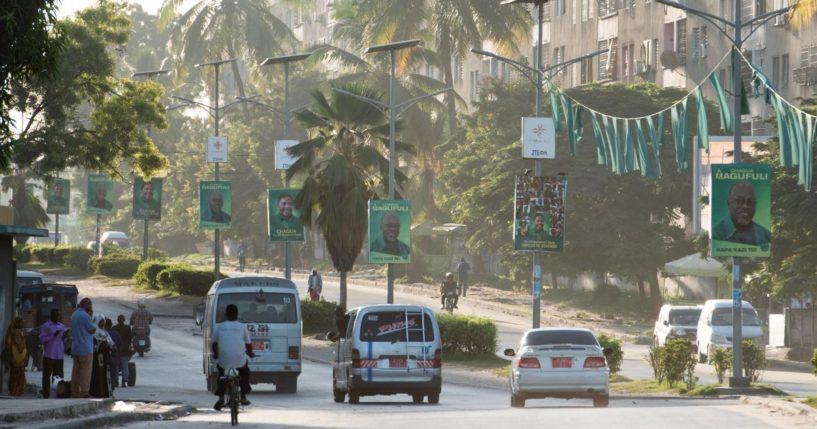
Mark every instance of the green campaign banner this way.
pixel 539 213
pixel 741 210
pixel 215 204
pixel 58 197
pixel 100 194
pixel 147 198
pixel 283 219
pixel 389 231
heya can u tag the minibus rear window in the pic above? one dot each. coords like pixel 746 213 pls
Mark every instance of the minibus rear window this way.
pixel 390 326
pixel 259 308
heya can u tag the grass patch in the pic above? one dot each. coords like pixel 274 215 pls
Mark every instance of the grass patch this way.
pixel 708 390
pixel 164 293
pixel 618 378
pixel 811 401
pixel 651 387
pixel 489 361
pixel 50 269
pixel 768 388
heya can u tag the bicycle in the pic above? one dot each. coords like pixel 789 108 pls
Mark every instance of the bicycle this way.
pixel 232 388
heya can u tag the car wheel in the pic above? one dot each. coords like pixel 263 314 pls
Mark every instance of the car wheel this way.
pixel 434 398
pixel 354 397
pixel 601 400
pixel 417 398
pixel 517 401
pixel 339 395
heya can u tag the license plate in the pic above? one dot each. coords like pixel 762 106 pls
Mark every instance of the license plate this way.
pixel 397 363
pixel 561 362
pixel 141 343
pixel 259 345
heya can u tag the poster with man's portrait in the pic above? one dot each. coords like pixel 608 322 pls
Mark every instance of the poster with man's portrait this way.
pixel 389 231
pixel 147 198
pixel 741 210
pixel 539 213
pixel 215 204
pixel 100 194
pixel 283 219
pixel 58 197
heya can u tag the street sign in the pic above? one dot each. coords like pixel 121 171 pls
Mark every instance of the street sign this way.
pixel 538 138
pixel 216 149
pixel 283 160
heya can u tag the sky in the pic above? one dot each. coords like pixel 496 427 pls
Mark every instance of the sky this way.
pixel 68 7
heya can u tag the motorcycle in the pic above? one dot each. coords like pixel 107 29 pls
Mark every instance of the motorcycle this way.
pixel 141 340
pixel 450 298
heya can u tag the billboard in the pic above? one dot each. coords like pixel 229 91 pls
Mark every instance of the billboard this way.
pixel 283 219
pixel 389 231
pixel 58 197
pixel 538 138
pixel 100 194
pixel 147 198
pixel 741 210
pixel 539 213
pixel 284 160
pixel 215 204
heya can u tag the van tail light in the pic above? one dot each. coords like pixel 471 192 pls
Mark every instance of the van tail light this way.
pixel 529 362
pixel 595 362
pixel 293 352
pixel 438 359
pixel 355 358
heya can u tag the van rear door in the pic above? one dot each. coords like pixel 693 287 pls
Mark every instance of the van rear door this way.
pixel 397 345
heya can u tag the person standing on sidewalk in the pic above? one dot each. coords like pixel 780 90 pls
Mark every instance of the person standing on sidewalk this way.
pixel 15 357
pixel 117 349
pixel 462 272
pixel 242 256
pixel 51 335
pixel 82 348
pixel 315 286
pixel 125 353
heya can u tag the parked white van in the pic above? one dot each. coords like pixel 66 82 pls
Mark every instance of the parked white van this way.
pixel 715 326
pixel 388 349
pixel 271 310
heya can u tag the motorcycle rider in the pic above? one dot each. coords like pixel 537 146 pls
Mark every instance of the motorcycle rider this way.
pixel 141 318
pixel 449 286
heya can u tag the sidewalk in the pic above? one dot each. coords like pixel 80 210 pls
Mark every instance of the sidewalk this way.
pixel 31 413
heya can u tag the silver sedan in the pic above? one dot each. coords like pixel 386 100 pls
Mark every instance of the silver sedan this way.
pixel 559 363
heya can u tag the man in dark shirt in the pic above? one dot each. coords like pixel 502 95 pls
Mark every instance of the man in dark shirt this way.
pixel 123 354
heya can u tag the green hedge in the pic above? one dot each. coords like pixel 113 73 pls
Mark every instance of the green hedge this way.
pixel 318 316
pixel 147 273
pixel 186 280
pixel 77 257
pixel 120 264
pixel 64 254
pixel 615 358
pixel 467 335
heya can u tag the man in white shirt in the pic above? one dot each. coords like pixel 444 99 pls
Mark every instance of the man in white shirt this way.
pixel 231 346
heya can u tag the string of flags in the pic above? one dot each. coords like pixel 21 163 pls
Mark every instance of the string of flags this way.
pixel 622 142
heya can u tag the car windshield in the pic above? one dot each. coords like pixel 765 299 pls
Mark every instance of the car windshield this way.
pixel 390 326
pixel 684 317
pixel 723 317
pixel 24 281
pixel 542 338
pixel 259 308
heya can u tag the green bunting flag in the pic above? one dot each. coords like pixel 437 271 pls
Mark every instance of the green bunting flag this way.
pixel 726 114
pixel 679 133
pixel 703 127
pixel 629 150
pixel 643 156
pixel 601 154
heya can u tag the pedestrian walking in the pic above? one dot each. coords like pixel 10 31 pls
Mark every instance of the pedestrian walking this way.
pixel 124 354
pixel 242 256
pixel 82 348
pixel 315 286
pixel 100 386
pixel 462 272
pixel 52 337
pixel 15 357
pixel 118 347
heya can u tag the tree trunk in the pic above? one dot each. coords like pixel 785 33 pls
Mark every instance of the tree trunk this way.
pixel 655 297
pixel 554 280
pixel 642 294
pixel 448 77
pixel 342 297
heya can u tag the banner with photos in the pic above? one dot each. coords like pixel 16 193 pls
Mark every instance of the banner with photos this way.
pixel 741 210
pixel 58 197
pixel 389 231
pixel 539 213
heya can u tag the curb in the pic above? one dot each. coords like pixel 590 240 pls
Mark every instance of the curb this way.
pixel 112 418
pixel 58 411
pixel 789 365
pixel 788 407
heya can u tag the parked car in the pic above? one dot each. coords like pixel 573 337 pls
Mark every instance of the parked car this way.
pixel 559 363
pixel 115 237
pixel 387 349
pixel 715 326
pixel 676 321
pixel 28 278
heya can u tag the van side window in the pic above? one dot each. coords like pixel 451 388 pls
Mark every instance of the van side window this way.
pixel 350 328
pixel 390 326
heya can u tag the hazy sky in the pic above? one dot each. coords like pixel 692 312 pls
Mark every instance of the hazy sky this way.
pixel 68 7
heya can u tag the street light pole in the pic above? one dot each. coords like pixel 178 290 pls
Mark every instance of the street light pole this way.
pixel 150 75
pixel 285 60
pixel 737 379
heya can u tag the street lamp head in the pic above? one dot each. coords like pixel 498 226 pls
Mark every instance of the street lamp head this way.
pixel 482 52
pixel 216 63
pixel 150 73
pixel 286 58
pixel 393 46
pixel 535 2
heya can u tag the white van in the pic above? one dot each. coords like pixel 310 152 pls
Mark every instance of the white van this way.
pixel 271 310
pixel 388 349
pixel 715 326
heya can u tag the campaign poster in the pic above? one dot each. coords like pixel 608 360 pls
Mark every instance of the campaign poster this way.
pixel 100 194
pixel 58 197
pixel 539 213
pixel 147 198
pixel 283 219
pixel 389 231
pixel 741 210
pixel 215 204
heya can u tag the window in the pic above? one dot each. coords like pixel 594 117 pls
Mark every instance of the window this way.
pixel 700 42
pixel 585 9
pixel 560 7
pixel 607 8
pixel 558 56
pixel 459 73
pixel 586 74
pixel 783 19
pixel 607 60
pixel 625 70
pixel 675 39
pixel 545 12
pixel 535 56
pixel 562 336
pixel 259 308
pixel 474 85
pixel 753 8
pixel 396 326
pixel 776 70
pixel 784 71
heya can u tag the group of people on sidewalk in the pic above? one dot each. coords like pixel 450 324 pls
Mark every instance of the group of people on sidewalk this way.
pixel 100 350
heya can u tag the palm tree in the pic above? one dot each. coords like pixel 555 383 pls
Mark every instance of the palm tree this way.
pixel 803 12
pixel 345 164
pixel 213 29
